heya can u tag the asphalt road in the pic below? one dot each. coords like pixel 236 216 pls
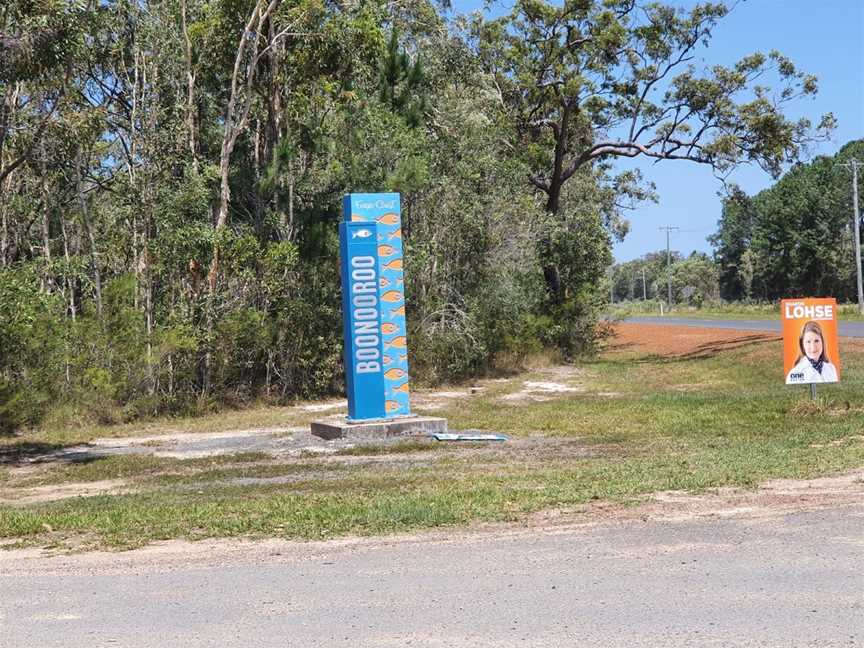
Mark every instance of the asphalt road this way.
pixel 733 578
pixel 844 329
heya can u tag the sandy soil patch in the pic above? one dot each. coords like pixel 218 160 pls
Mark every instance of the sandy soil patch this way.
pixel 554 382
pixel 771 498
pixel 324 407
pixel 54 492
pixel 680 341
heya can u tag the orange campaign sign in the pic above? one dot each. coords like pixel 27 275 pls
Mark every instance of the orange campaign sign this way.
pixel 810 351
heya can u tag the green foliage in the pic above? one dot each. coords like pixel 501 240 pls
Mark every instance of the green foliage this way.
pixel 731 242
pixel 119 297
pixel 400 83
pixel 793 239
pixel 30 321
pixel 694 279
pixel 39 37
pixel 627 278
pixel 594 80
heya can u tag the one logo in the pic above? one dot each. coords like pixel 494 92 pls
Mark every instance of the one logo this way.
pixel 363 233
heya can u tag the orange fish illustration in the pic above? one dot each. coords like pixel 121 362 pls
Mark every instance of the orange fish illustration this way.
pixel 403 388
pixel 395 373
pixel 384 282
pixel 402 358
pixel 386 250
pixel 398 311
pixel 389 328
pixel 358 218
pixel 391 406
pixel 396 343
pixel 392 296
pixel 388 360
pixel 395 264
pixel 389 219
pixel 396 234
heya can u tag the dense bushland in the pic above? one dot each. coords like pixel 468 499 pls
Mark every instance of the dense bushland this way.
pixel 171 173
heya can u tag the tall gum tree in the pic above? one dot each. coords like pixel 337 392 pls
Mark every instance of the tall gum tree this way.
pixel 590 80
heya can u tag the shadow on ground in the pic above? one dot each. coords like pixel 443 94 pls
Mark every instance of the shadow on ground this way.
pixel 26 452
pixel 702 351
pixel 712 349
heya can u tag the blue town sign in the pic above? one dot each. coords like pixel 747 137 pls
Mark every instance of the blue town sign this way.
pixel 373 307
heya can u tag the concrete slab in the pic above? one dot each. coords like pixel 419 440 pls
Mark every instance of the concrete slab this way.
pixel 398 427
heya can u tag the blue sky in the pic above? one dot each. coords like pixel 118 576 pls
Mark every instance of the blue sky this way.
pixel 822 37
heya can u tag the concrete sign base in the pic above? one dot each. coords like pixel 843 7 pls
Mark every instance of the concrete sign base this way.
pixel 408 426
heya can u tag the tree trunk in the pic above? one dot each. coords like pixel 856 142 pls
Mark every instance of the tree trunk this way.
pixel 70 291
pixel 259 163
pixel 46 223
pixel 88 231
pixel 5 189
pixel 191 122
pixel 4 235
pixel 553 205
pixel 235 121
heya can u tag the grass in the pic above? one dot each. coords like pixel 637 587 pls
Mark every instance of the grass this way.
pixel 720 310
pixel 640 424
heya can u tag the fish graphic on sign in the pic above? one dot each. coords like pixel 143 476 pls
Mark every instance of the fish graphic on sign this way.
pixel 395 264
pixel 391 406
pixel 395 373
pixel 389 219
pixel 363 233
pixel 392 296
pixel 396 343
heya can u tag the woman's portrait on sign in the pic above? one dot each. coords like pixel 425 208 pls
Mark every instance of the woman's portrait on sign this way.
pixel 813 364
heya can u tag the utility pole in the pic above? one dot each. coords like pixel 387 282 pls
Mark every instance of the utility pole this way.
pixel 644 292
pixel 668 229
pixel 854 164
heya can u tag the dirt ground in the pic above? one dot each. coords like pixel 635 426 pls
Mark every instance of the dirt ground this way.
pixel 680 341
pixel 691 341
pixel 773 500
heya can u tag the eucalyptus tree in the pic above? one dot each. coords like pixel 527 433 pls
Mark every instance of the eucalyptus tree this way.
pixel 40 44
pixel 587 81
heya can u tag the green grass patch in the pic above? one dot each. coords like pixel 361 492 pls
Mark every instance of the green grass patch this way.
pixel 638 426
pixel 130 466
